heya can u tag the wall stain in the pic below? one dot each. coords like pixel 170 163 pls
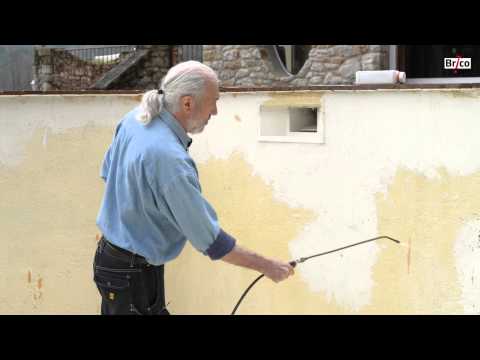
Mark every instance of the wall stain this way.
pixel 426 213
pixel 35 290
pixel 51 206
pixel 459 93
pixel 298 98
pixel 237 118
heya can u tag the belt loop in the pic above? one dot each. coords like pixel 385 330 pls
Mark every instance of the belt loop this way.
pixel 132 260
pixel 102 244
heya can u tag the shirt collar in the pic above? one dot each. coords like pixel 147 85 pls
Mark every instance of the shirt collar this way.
pixel 177 129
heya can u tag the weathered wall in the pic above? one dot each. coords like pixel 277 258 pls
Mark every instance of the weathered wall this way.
pixel 398 163
pixel 50 148
pixel 251 65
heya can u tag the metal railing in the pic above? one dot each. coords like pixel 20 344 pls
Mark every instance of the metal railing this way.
pixel 103 55
pixel 192 52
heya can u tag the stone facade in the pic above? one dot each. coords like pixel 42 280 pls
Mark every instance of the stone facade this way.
pixel 149 71
pixel 252 65
pixel 236 65
pixel 57 69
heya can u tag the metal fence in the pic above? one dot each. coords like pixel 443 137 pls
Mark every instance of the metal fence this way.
pixel 103 55
pixel 192 52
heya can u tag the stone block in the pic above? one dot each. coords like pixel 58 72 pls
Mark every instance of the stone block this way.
pixel 316 80
pixel 257 75
pixel 331 79
pixel 371 58
pixel 317 66
pixel 359 49
pixel 233 65
pixel 299 82
pixel 246 81
pixel 208 56
pixel 337 60
pixel 245 53
pixel 231 54
pixel 228 82
pixel 349 68
pixel 344 51
pixel 226 74
pixel 330 66
pixel 242 73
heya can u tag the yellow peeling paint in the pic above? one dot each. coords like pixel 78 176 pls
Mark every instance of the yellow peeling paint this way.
pixel 48 208
pixel 462 93
pixel 425 214
pixel 295 99
pixel 248 210
pixel 418 277
pixel 49 201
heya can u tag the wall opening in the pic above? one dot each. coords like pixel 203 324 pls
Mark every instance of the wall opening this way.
pixel 290 124
pixel 303 120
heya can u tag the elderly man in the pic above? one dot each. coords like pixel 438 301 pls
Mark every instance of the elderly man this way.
pixel 153 201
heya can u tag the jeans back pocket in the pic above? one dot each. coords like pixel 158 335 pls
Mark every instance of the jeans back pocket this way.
pixel 114 287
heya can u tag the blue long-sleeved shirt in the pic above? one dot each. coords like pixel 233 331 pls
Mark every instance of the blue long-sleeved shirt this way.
pixel 153 202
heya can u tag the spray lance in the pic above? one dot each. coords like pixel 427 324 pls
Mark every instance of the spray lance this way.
pixel 303 259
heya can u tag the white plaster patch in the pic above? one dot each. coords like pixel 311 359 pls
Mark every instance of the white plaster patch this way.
pixel 467 256
pixel 332 274
pixel 369 136
pixel 21 116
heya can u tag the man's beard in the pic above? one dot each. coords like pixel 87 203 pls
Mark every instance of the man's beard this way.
pixel 197 129
pixel 197 126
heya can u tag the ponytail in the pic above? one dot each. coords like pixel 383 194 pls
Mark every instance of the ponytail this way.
pixel 151 106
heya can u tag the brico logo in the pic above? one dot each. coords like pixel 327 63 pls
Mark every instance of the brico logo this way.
pixel 457 63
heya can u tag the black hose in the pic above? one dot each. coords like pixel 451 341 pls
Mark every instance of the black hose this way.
pixel 245 293
pixel 301 260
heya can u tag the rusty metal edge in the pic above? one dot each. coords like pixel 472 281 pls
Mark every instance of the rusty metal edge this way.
pixel 260 89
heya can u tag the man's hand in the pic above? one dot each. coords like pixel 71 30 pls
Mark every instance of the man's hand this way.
pixel 278 270
pixel 273 269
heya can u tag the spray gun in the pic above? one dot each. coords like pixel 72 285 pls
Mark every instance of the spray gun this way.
pixel 303 259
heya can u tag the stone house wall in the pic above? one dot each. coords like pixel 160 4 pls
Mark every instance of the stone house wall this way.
pixel 254 65
pixel 236 65
pixel 57 69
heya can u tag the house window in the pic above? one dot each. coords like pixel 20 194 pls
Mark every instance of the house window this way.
pixel 292 57
pixel 426 63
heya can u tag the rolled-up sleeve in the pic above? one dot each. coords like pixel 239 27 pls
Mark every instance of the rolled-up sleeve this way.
pixel 196 218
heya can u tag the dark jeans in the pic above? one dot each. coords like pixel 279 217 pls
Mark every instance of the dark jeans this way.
pixel 128 286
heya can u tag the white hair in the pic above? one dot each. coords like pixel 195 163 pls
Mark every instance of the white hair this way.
pixel 186 78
